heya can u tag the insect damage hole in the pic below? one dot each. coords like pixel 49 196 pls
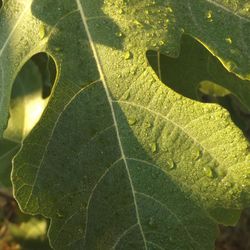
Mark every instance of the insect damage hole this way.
pixel 30 94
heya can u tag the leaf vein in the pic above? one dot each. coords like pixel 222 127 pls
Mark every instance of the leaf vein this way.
pixel 170 211
pixel 102 77
pixel 172 122
pixel 123 235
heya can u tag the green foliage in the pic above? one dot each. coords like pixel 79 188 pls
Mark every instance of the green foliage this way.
pixel 120 160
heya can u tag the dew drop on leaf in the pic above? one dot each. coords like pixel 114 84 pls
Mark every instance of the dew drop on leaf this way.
pixel 209 16
pixel 171 164
pixel 58 49
pixel 208 172
pixel 127 55
pixel 161 42
pixel 246 9
pixel 137 23
pixel 169 9
pixel 197 154
pixel 229 40
pixel 153 147
pixel 132 121
pixel 120 11
pixel 118 34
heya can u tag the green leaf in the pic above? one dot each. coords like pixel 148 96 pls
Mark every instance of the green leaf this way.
pixel 204 78
pixel 119 160
pixel 199 68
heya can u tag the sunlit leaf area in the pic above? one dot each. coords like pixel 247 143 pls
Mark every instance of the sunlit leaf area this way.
pixel 124 125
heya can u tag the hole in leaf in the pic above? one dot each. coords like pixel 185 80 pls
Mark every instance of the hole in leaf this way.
pixel 199 75
pixel 30 93
pixel 47 69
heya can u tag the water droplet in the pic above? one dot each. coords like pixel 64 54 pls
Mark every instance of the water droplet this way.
pixel 197 154
pixel 132 121
pixel 58 49
pixel 229 40
pixel 153 147
pixel 246 9
pixel 161 43
pixel 169 9
pixel 127 55
pixel 137 23
pixel 208 172
pixel 171 164
pixel 120 11
pixel 209 16
pixel 133 71
pixel 42 31
pixel 118 34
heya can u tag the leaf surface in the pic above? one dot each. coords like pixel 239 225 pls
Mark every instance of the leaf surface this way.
pixel 198 67
pixel 119 160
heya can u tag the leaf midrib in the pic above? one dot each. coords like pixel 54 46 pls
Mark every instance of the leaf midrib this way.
pixel 103 80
